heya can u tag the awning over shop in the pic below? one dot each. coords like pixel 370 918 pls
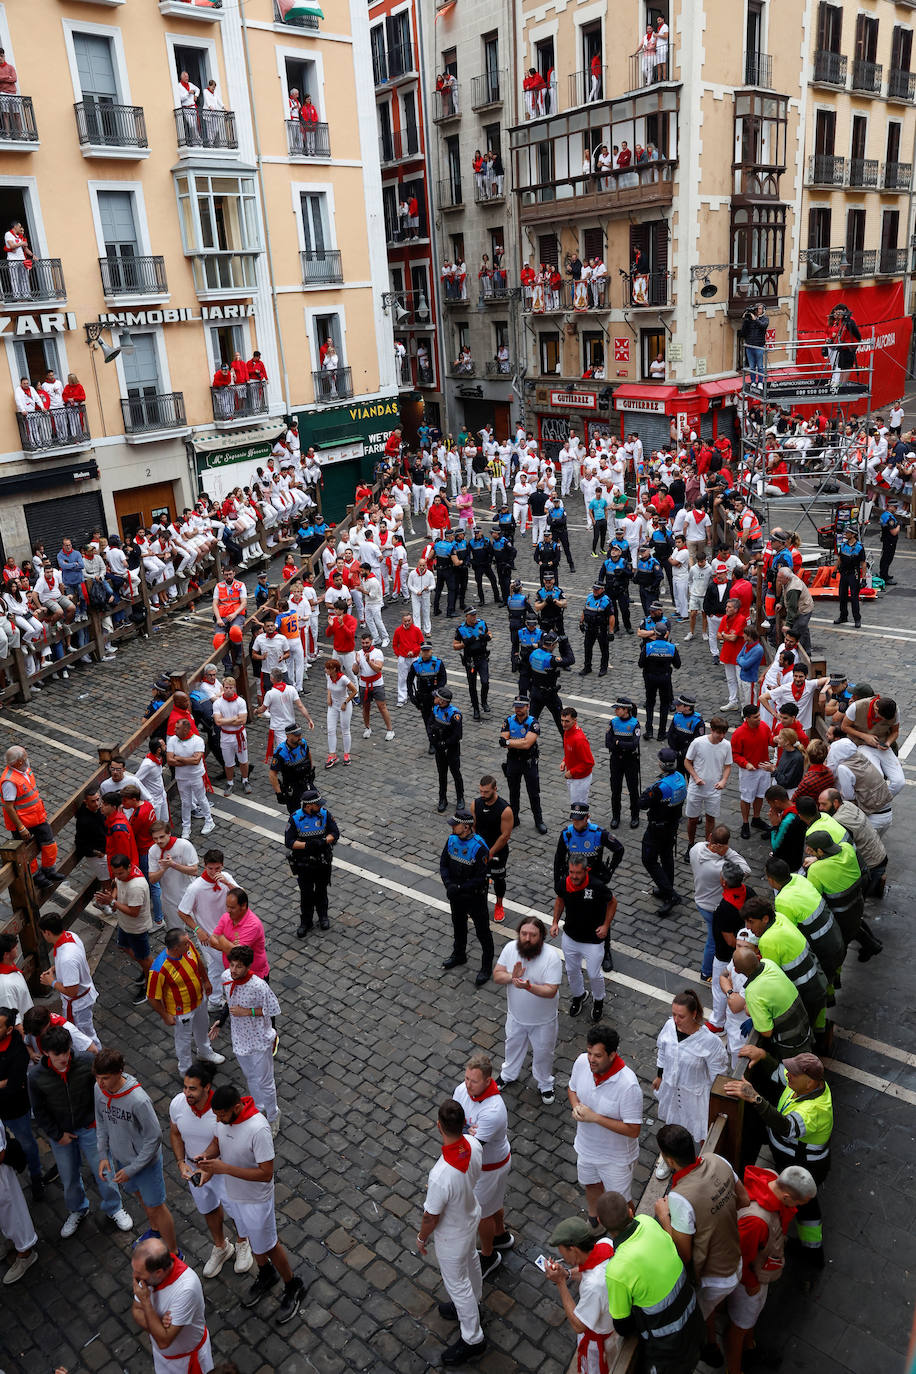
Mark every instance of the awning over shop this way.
pixel 651 399
pixel 235 441
pixel 43 478
pixel 719 388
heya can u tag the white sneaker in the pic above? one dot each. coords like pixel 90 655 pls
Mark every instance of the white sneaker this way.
pixel 211 1057
pixel 731 706
pixel 217 1259
pixel 367 732
pixel 690 636
pixel 186 833
pixel 662 1170
pixel 208 827
pixel 123 1220
pixel 244 1259
pixel 389 735
pixel 73 1222
pixel 229 789
pixel 275 1125
pixel 20 1265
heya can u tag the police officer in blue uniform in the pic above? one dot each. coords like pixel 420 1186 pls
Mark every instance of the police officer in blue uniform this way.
pixel 518 606
pixel 504 556
pixel 658 658
pixel 547 555
pixel 556 524
pixel 472 638
pixel 622 742
pixel 615 574
pixel 462 562
pixel 529 638
pixel 481 550
pixel 424 677
pixel 663 803
pixel 686 725
pixel 550 603
pixel 662 546
pixel 291 770
pixel 310 838
pixel 648 577
pixel 890 533
pixel 463 870
pixel 446 572
pixel 851 556
pixel 596 621
pixel 445 728
pixel 544 669
pixel 587 840
pixel 655 620
pixel 504 521
pixel 311 535
pixel 519 737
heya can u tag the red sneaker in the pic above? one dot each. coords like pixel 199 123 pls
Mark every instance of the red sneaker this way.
pixel 346 758
pixel 499 912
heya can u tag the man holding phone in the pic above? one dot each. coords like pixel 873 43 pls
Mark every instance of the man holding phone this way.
pixel 585 1255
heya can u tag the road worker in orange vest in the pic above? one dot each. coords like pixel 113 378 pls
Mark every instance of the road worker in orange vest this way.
pixel 24 813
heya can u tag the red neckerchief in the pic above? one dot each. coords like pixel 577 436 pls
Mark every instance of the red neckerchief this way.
pixel 682 1173
pixel 698 512
pixel 60 1074
pixel 6 1042
pixel 205 1108
pixel 65 938
pixel 458 1155
pixel 8 968
pixel 176 1271
pixel 279 687
pixel 239 982
pixel 125 1092
pixel 798 693
pixel 872 714
pixel 491 1090
pixel 616 1065
pixel 735 895
pixel 155 758
pixel 164 848
pixel 248 1110
pixel 604 1250
pixel 133 872
pixel 57 1020
pixel 570 886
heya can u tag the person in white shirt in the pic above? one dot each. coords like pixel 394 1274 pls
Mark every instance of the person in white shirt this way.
pixel 14 990
pixel 200 908
pixel 118 778
pixel 420 585
pixel 69 974
pixel 373 600
pixel 451 1213
pixel 173 865
pixel 280 704
pixel 169 1305
pixel 185 753
pixel 521 492
pixel 802 690
pixel 708 764
pixel 370 662
pixel 697 531
pixel 192 1125
pixel 230 713
pixel 606 1102
pixel 486 1119
pixel 699 577
pixel 531 971
pixel 679 561
pixel 15 1219
pixel 250 1009
pixel 341 693
pixel 149 777
pixel 188 95
pixel 586 1257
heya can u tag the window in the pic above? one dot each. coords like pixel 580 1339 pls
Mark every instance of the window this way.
pixel 497 242
pixel 225 341
pixel 302 76
pixel 141 367
pixel 450 62
pixel 651 347
pixel 491 133
pixel 491 62
pixel 593 243
pixel 15 204
pixel 592 349
pixel 890 228
pixel 855 234
pixel 117 215
pixel 386 136
pixel 390 210
pixel 591 45
pixel 892 147
pixel 549 347
pixel 379 56
pixel 314 207
pixel 419 284
pixel 549 250
pixel 500 334
pixel 866 38
pixel 400 48
pixel 819 227
pixel 753 39
pixel 99 87
pixel 453 162
pixel 543 58
pixel 859 136
pixel 901 49
pixel 824 133
pixel 218 214
pixel 194 61
pixel 829 27
pixel 462 337
pixel 35 357
pixel 457 242
pixel 409 127
pixel 396 275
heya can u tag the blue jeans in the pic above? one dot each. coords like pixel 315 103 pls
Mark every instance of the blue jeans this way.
pixel 155 891
pixel 709 948
pixel 68 1162
pixel 20 1128
pixel 755 362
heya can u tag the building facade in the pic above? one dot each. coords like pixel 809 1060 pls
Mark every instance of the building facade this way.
pixel 170 230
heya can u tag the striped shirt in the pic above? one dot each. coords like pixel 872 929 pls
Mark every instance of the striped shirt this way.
pixel 177 983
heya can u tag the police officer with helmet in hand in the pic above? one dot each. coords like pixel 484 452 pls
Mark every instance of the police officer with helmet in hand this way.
pixel 463 870
pixel 519 737
pixel 291 770
pixel 445 730
pixel 310 837
pixel 663 803
pixel 424 676
pixel 622 741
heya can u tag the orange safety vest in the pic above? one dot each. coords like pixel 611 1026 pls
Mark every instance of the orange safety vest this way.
pixel 228 600
pixel 754 532
pixel 27 805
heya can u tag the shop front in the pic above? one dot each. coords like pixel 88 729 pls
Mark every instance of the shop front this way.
pixel 222 466
pixel 48 505
pixel 349 440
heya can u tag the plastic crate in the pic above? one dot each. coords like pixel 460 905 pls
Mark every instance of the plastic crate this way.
pixel 826 536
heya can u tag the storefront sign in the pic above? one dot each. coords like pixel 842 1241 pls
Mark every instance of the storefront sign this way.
pixel 25 325
pixel 224 457
pixel 574 400
pixel 637 403
pixel 180 315
pixel 338 427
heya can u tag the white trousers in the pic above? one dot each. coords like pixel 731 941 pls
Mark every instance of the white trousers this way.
pixel 567 474
pixel 579 789
pixel 375 624
pixel 258 1068
pixel 213 958
pixel 731 677
pixel 712 629
pixel 419 607
pixel 195 1025
pixel 574 953
pixel 15 1219
pixel 459 1265
pixel 340 716
pixel 520 514
pixel 82 1019
pixel 403 670
pixel 680 594
pixel 719 1000
pixel 191 794
pixel 348 663
pixel 497 485
pixel 542 1039
pixel 296 665
pixel 889 764
pixel 538 526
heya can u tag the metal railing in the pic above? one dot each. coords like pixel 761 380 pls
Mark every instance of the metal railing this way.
pixel 901 85
pixel 891 261
pixel 397 62
pixel 487 89
pixel 863 172
pixel 321 265
pixel 825 169
pixel 647 69
pixel 584 87
pixel 866 76
pixel 307 140
pixel 399 231
pixel 239 400
pixel 898 176
pixel 302 21
pixel 224 271
pixel 456 369
pixel 162 410
pixel 489 190
pixel 332 385
pixel 829 68
pixel 142 276
pixel 835 264
pixel 398 144
pixel 101 123
pixel 62 427
pixel 492 292
pixel 646 290
pixel 17 119
pixel 450 196
pixel 499 369
pixel 206 128
pixel 42 279
pixel 758 69
pixel 446 104
pixel 425 374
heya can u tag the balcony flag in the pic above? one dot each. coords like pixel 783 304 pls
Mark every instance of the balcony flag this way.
pixel 290 10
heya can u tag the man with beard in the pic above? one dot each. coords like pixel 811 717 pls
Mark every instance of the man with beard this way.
pixel 532 971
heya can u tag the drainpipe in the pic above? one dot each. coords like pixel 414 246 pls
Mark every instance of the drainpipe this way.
pixel 431 209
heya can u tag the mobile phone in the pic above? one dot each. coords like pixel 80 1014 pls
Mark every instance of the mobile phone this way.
pixel 541 1263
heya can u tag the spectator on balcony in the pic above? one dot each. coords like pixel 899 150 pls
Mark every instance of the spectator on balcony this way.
pixel 598 282
pixel 400 362
pixel 403 214
pixel 502 360
pixel 256 368
pixel 19 259
pixel 188 96
pixel 447 276
pixel 464 363
pixel 308 117
pixel 53 390
pixel 213 123
pixel 413 217
pixel 661 48
pixel 647 54
pixel 9 81
pixel 527 277
pixel 222 396
pixel 461 280
pixel 499 271
pixel 295 104
pixel 554 285
pixel 603 164
pixel 480 175
pixel 657 369
pixel 239 369
pixel 330 366
pixel 31 404
pixel 423 364
pixel 625 156
pixel 586 171
pixel 74 396
pixel 485 277
pixel 594 88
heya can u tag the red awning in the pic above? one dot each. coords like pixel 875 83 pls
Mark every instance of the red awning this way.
pixel 651 391
pixel 722 386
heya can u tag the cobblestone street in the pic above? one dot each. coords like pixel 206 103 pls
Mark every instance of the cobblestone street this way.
pixel 374 1033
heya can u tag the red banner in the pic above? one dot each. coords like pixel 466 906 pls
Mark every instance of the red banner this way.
pixel 879 312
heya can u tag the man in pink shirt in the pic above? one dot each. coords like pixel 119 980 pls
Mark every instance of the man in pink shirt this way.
pixel 239 926
pixel 8 78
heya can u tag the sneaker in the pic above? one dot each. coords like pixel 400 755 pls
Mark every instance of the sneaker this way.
pixel 730 706
pixel 716 1030
pixel 275 1126
pixel 389 735
pixel 689 636
pixel 217 1259
pixel 346 760
pixel 139 995
pixel 487 1263
pixel 503 1083
pixel 462 1353
pixel 597 1010
pixel 266 1279
pixel 577 1004
pixel 122 1219
pixel 367 732
pixel 243 1257
pixel 705 977
pixel 662 1170
pixel 211 1057
pixel 745 831
pixel 74 1220
pixel 20 1265
pixel 208 827
pixel 293 1293
pixel 499 912
pixel 186 833
pixel 229 789
pixel 758 823
pixel 504 1242
pixel 246 785
pixel 332 759
pixel 548 1097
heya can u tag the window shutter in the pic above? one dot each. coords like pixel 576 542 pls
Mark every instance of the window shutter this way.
pixel 593 243
pixel 660 245
pixel 549 250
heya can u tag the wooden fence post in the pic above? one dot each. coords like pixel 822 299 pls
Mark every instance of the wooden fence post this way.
pixel 24 901
pixel 22 675
pixel 147 604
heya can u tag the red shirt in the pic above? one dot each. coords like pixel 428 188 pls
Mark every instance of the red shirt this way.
pixel 438 516
pixel 578 758
pixel 817 779
pixel 142 820
pixel 257 369
pixel 240 372
pixel 308 113
pixel 221 378
pixel 662 503
pixel 750 748
pixel 342 630
pixel 743 592
pixel 119 838
pixel 777 729
pixel 392 445
pixel 406 643
pixel 732 624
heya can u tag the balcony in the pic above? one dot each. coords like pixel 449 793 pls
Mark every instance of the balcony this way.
pixel 302 21
pixel 499 369
pixel 488 192
pixel 574 198
pixel 17 122
pixel 46 431
pixel 109 130
pixel 898 176
pixel 866 77
pixel 492 292
pixel 321 266
pixel 467 369
pixel 217 275
pixel 901 85
pixel 863 173
pixel 647 291
pixel 838 264
pixel 829 68
pixel 22 283
pixel 307 140
pixel 824 169
pixel 454 296
pixel 142 278
pixel 425 375
pixel 752 286
pixel 758 70
pixel 199 129
pixel 209 13
pixel 585 89
pixel 757 181
pixel 396 65
pixel 891 262
pixel 450 196
pixel 445 104
pixel 487 90
pixel 399 145
pixel 242 401
pixel 150 414
pixel 646 70
pixel 332 386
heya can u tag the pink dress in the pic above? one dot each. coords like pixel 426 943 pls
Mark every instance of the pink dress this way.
pixel 248 931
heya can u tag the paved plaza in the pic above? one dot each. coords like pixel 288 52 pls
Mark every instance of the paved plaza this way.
pixel 374 1033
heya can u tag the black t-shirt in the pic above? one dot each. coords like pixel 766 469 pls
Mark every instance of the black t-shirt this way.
pixel 585 910
pixel 488 820
pixel 537 502
pixel 677 490
pixel 727 919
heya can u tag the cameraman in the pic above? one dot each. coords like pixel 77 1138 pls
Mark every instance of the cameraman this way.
pixel 843 334
pixel 753 333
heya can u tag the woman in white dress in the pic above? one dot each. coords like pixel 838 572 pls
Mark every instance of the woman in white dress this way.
pixel 688 1057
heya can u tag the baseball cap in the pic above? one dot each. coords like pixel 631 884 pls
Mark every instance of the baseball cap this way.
pixel 808 1064
pixel 576 1231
